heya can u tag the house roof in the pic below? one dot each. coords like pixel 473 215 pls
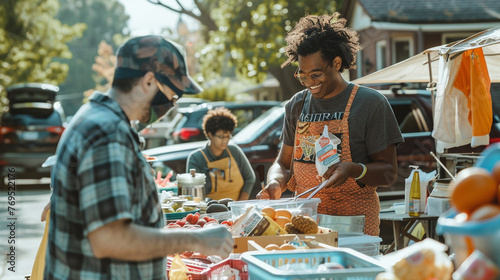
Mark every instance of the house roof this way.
pixel 432 11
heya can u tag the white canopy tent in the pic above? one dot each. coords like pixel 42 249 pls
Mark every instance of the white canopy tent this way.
pixel 416 68
pixel 457 119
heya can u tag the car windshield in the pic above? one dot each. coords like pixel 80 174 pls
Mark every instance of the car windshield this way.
pixel 262 123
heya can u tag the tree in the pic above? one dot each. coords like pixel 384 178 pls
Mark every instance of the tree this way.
pixel 249 35
pixel 106 21
pixel 30 39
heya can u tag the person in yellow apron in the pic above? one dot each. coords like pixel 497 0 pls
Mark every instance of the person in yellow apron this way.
pixel 228 169
pixel 359 118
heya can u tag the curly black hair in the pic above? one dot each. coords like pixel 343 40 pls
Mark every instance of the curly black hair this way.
pixel 325 33
pixel 219 119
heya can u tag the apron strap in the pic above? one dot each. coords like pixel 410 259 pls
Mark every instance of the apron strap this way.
pixel 347 111
pixel 205 156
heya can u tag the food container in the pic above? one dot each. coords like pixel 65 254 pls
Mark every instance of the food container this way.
pixel 177 203
pixel 192 184
pixel 306 264
pixel 343 224
pixel 366 244
pixel 302 206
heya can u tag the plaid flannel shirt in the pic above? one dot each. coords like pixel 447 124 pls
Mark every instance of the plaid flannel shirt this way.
pixel 100 177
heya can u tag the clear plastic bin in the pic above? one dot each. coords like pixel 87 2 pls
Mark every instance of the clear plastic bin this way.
pixel 279 265
pixel 343 224
pixel 366 244
pixel 302 206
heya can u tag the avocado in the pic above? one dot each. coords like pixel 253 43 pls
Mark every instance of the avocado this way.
pixel 212 202
pixel 217 207
pixel 225 201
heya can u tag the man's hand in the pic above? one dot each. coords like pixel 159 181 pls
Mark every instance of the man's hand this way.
pixel 214 241
pixel 338 173
pixel 44 212
pixel 271 191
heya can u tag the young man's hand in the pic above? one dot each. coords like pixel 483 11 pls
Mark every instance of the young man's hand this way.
pixel 271 191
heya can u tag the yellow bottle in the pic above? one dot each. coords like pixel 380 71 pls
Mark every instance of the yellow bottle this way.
pixel 414 201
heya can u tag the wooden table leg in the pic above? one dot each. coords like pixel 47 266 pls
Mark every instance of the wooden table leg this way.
pixel 398 240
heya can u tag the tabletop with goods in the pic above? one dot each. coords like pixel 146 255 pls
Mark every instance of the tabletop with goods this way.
pixel 282 239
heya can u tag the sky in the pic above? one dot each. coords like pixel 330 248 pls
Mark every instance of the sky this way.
pixel 147 18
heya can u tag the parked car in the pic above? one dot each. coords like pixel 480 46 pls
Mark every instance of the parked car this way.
pixel 189 128
pixel 158 133
pixel 30 130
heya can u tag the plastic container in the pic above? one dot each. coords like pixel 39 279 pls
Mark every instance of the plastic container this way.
pixel 481 235
pixel 178 215
pixel 279 264
pixel 343 224
pixel 437 205
pixel 302 206
pixel 366 244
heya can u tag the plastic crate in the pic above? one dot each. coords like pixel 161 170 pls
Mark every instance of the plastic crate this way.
pixel 278 265
pixel 302 206
pixel 366 244
pixel 178 215
pixel 200 273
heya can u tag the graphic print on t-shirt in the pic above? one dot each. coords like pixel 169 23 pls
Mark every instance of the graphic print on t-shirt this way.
pixel 320 117
pixel 304 147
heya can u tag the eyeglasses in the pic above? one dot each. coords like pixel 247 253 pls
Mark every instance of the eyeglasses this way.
pixel 315 75
pixel 222 137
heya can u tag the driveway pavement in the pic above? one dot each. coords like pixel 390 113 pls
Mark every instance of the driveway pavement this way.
pixel 21 228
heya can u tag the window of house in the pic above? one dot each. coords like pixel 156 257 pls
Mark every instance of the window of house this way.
pixel 447 38
pixel 402 48
pixel 381 47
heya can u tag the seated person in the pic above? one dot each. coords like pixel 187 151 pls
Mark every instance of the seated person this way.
pixel 229 174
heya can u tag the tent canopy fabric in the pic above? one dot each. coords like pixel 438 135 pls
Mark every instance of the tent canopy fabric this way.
pixel 416 68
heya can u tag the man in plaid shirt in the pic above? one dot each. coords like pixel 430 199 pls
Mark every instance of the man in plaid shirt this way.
pixel 105 219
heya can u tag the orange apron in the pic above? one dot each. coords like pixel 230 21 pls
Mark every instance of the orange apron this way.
pixel 346 199
pixel 226 178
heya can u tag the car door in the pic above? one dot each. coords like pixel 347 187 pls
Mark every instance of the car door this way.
pixel 415 122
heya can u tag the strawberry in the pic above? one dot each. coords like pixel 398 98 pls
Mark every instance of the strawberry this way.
pixel 201 222
pixel 207 218
pixel 181 222
pixel 192 219
pixel 173 225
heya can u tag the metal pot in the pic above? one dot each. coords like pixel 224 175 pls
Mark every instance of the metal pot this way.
pixel 192 184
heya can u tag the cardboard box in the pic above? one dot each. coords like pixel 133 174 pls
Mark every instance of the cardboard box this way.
pixel 327 236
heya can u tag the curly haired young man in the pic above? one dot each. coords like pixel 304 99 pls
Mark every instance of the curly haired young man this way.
pixel 361 118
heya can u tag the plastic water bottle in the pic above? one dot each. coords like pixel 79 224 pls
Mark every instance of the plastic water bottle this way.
pixel 414 201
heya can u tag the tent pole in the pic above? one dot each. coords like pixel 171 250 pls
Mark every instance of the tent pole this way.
pixel 431 86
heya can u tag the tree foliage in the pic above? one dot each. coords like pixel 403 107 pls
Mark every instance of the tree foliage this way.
pixel 249 35
pixel 106 21
pixel 30 39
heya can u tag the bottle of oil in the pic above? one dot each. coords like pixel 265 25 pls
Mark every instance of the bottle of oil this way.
pixel 414 201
